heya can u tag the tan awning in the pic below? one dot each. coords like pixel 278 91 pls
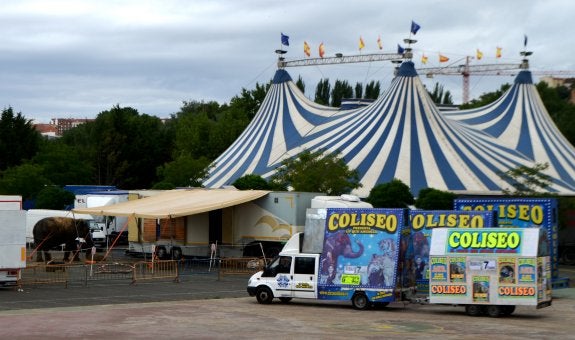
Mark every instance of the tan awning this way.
pixel 176 203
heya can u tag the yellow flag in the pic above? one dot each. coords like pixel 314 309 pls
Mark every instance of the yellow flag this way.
pixel 479 54
pixel 424 59
pixel 498 52
pixel 361 44
pixel 306 49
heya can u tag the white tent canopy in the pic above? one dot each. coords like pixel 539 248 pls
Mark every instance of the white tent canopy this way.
pixel 177 203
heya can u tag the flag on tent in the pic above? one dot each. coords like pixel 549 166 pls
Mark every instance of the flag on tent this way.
pixel 361 43
pixel 379 44
pixel 306 49
pixel 443 58
pixel 424 59
pixel 400 49
pixel 285 39
pixel 414 27
pixel 321 50
pixel 479 54
pixel 525 41
pixel 498 52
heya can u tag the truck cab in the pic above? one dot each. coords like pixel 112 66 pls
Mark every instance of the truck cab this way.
pixel 287 276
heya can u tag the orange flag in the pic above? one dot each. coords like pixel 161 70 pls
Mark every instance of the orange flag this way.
pixel 321 50
pixel 361 43
pixel 306 49
pixel 379 44
pixel 498 52
pixel 443 58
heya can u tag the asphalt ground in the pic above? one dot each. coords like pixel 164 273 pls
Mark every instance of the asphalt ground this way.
pixel 208 307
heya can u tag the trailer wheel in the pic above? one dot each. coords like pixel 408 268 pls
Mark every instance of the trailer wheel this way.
pixel 494 311
pixel 507 310
pixel 474 310
pixel 176 253
pixel 264 295
pixel 285 299
pixel 360 301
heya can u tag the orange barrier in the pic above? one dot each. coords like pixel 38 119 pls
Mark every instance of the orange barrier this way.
pixel 155 270
pixel 242 265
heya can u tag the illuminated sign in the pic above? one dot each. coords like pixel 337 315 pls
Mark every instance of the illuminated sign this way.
pixel 451 219
pixel 365 220
pixel 449 289
pixel 516 291
pixel 484 241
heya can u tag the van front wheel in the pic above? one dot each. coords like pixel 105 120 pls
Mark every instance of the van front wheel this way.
pixel 360 301
pixel 264 295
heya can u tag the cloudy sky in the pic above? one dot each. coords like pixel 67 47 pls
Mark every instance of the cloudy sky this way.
pixel 77 58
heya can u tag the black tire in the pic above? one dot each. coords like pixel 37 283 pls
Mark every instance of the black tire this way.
pixel 494 311
pixel 264 295
pixel 161 253
pixel 474 310
pixel 360 301
pixel 507 310
pixel 176 253
pixel 285 299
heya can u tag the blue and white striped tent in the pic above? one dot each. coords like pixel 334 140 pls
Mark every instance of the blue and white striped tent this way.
pixel 520 121
pixel 284 118
pixel 400 135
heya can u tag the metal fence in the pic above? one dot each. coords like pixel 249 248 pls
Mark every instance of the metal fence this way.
pixel 75 273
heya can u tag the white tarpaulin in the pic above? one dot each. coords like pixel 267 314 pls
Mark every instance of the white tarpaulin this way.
pixel 176 203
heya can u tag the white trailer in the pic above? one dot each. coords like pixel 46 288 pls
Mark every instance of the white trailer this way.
pixel 490 270
pixel 12 246
pixel 10 202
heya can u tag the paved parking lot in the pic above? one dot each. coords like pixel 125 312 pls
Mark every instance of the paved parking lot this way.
pixel 205 307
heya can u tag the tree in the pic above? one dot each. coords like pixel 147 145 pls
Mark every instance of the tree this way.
pixel 129 147
pixel 358 90
pixel 527 181
pixel 300 84
pixel 486 98
pixel 54 197
pixel 25 180
pixel 249 101
pixel 64 164
pixel 322 92
pixel 341 90
pixel 317 172
pixel 184 171
pixel 439 96
pixel 433 199
pixel 19 141
pixel 394 194
pixel 251 181
pixel 372 90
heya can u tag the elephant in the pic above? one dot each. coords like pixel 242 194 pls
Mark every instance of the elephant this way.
pixel 336 245
pixel 51 232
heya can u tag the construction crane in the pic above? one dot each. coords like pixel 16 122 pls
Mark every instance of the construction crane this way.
pixel 465 70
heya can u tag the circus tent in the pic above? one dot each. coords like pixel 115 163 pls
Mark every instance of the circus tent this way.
pixel 520 121
pixel 284 117
pixel 400 135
